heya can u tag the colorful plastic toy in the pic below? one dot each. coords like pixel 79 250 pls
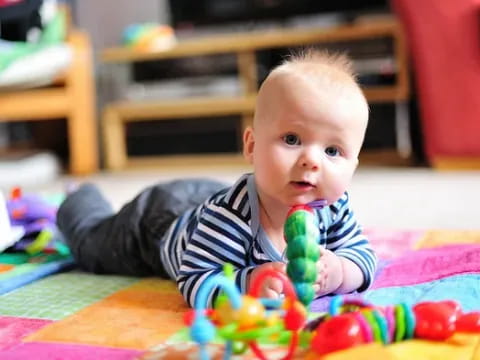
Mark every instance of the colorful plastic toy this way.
pixel 301 234
pixel 352 322
pixel 149 37
pixel 37 217
pixel 245 321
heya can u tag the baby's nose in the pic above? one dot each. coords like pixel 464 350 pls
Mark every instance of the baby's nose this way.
pixel 311 161
pixel 307 164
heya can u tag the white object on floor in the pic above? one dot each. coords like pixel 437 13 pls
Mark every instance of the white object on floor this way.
pixel 28 169
pixel 9 235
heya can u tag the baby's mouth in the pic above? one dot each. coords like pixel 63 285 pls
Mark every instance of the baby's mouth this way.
pixel 303 184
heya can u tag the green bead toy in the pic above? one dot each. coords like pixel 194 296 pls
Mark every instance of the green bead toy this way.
pixel 302 235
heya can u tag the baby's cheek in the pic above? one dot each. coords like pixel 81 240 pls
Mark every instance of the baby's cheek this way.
pixel 342 180
pixel 336 189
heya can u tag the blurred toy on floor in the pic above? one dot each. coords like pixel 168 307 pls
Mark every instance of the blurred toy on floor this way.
pixel 35 215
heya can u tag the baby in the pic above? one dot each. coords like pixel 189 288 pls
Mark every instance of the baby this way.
pixel 308 129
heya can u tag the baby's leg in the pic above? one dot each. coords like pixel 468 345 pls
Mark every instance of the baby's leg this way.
pixel 103 241
pixel 127 242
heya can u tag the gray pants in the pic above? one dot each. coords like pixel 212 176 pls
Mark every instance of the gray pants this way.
pixel 127 242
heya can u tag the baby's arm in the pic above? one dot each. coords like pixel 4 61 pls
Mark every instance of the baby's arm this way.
pixel 220 236
pixel 336 274
pixel 272 288
pixel 349 259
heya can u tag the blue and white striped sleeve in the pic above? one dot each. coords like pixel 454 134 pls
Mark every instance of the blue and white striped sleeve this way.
pixel 345 238
pixel 222 236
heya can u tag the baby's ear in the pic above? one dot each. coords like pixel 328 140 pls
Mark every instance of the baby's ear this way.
pixel 248 144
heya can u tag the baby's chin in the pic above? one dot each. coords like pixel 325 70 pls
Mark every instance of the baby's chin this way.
pixel 310 201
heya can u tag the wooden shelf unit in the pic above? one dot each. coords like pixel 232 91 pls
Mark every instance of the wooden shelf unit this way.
pixel 72 97
pixel 245 46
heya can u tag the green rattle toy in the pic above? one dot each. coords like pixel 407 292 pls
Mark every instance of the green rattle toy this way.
pixel 302 236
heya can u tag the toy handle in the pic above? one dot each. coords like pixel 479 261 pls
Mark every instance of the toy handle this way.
pixel 256 285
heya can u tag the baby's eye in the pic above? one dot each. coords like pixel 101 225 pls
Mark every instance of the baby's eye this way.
pixel 291 139
pixel 332 151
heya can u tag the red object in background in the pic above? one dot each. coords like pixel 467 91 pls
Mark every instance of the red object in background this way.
pixel 4 3
pixel 444 41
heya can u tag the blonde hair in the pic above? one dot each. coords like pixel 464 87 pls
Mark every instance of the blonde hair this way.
pixel 333 67
pixel 317 57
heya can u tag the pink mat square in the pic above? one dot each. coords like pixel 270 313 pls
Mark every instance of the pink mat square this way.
pixel 425 265
pixel 53 351
pixel 392 243
pixel 13 329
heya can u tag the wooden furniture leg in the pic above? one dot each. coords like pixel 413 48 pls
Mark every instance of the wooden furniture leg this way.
pixel 81 125
pixel 114 139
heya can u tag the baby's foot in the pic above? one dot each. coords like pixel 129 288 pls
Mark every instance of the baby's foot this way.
pixel 71 187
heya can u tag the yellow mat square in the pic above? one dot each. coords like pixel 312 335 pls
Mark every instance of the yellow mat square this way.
pixel 435 238
pixel 138 317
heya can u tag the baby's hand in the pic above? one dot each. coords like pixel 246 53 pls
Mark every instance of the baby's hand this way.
pixel 271 288
pixel 329 272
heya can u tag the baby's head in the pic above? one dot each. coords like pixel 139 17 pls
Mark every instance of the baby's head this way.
pixel 309 125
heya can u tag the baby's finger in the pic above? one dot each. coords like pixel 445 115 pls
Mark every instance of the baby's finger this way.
pixel 275 285
pixel 316 288
pixel 321 266
pixel 270 294
pixel 279 266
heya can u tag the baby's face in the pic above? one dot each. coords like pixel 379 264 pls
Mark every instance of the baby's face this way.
pixel 306 140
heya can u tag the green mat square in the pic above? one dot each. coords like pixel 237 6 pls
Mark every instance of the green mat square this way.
pixel 59 296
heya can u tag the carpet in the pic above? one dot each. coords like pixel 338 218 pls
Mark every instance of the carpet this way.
pixel 74 315
pixel 19 268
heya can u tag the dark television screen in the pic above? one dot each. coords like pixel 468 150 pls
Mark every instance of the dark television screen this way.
pixel 188 13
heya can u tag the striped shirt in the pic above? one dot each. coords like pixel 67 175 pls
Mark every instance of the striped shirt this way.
pixel 226 228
